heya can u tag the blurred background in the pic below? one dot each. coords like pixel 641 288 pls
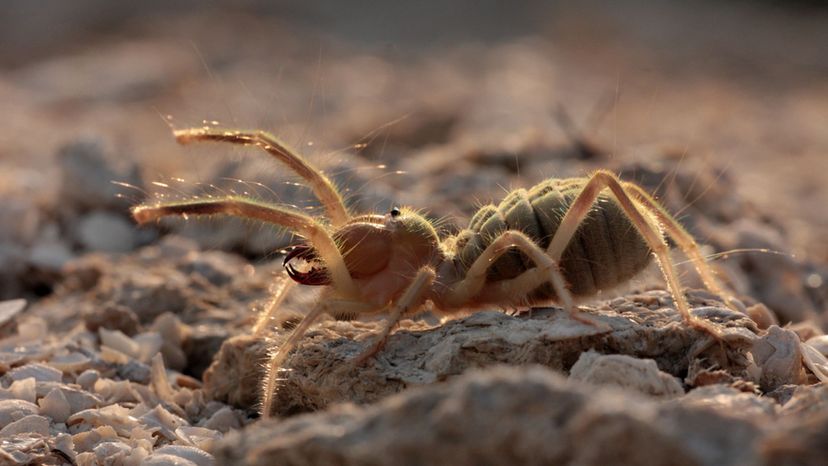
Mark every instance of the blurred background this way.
pixel 719 107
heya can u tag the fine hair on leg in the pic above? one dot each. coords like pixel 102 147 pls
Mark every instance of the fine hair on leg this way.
pixel 685 242
pixel 282 288
pixel 645 225
pixel 320 184
pixel 464 290
pixel 239 206
pixel 277 358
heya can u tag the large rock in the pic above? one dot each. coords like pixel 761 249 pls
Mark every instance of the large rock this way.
pixel 501 416
pixel 321 372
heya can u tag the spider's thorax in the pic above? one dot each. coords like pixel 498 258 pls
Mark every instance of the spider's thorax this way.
pixel 382 253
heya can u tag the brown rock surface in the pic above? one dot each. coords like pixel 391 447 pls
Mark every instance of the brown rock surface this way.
pixel 320 371
pixel 502 416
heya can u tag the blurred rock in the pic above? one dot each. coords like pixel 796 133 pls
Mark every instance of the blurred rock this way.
pixel 83 273
pixel 51 256
pixel 20 219
pixel 687 183
pixel 87 175
pixel 235 374
pixel 731 402
pixel 12 267
pixel 172 331
pixel 806 401
pixel 106 232
pixel 9 310
pixel 763 316
pixel 149 296
pixel 778 355
pixel 500 416
pixel 200 345
pixel 215 266
pixel 114 70
pixel 798 442
pixel 776 277
pixel 617 370
pixel 113 317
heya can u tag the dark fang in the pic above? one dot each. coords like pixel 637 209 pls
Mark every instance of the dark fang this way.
pixel 315 276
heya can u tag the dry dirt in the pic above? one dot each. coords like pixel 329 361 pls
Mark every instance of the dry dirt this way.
pixel 127 345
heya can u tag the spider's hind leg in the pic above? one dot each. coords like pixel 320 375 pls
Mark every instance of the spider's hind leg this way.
pixel 546 270
pixel 687 244
pixel 642 212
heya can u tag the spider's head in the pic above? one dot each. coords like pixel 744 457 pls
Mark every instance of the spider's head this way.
pixel 370 244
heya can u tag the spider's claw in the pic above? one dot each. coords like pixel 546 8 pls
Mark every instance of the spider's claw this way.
pixel 315 276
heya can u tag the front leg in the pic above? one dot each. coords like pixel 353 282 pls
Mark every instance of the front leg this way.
pixel 411 299
pixel 277 358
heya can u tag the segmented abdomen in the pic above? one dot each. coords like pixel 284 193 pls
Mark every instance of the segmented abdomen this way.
pixel 606 250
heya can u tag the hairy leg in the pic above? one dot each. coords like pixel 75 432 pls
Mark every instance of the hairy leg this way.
pixel 303 224
pixel 412 298
pixel 684 241
pixel 282 288
pixel 319 183
pixel 545 271
pixel 652 235
pixel 324 306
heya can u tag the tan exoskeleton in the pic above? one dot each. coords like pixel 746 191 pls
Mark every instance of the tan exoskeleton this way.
pixel 561 239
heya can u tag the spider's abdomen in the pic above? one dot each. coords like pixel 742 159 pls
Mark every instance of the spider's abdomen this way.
pixel 606 250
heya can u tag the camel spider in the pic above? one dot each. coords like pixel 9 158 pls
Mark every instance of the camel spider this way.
pixel 561 239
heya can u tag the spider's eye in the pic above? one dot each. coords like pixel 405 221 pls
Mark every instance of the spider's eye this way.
pixel 395 212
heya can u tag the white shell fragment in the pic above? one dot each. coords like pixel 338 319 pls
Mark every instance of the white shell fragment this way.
pixel 113 416
pixel 116 340
pixel 819 343
pixel 10 309
pixel 63 443
pixel 199 437
pixel 196 455
pixel 111 452
pixel 149 344
pixel 40 372
pixel 113 356
pixel 164 421
pixel 31 424
pixel 55 406
pixel 88 378
pixel 815 361
pixel 115 391
pixel 223 420
pixel 78 399
pixel 20 390
pixel 641 375
pixel 88 440
pixel 779 356
pixel 71 362
pixel 12 410
pixel 166 460
pixel 159 381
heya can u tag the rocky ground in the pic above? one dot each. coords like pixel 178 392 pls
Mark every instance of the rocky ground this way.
pixel 127 345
